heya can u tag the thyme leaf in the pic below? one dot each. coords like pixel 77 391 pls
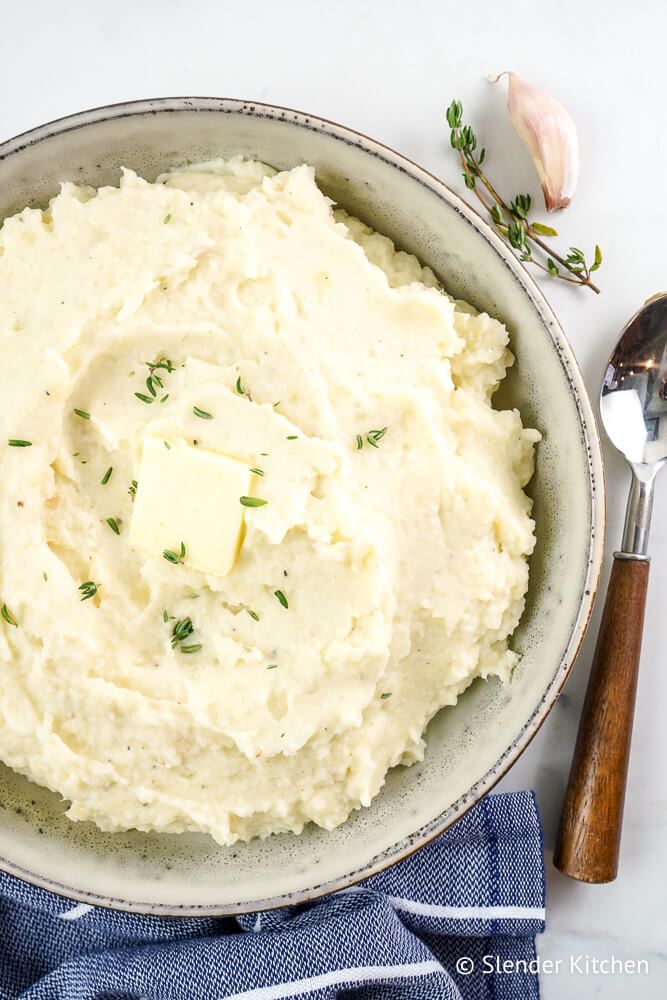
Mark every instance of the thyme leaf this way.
pixel 202 414
pixel 88 589
pixel 174 557
pixel 8 616
pixel 373 438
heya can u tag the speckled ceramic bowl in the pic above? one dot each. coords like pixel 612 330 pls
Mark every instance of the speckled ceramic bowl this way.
pixel 469 746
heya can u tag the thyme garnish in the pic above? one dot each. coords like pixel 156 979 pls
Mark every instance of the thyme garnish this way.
pixel 252 502
pixel 82 413
pixel 154 382
pixel 372 437
pixel 241 391
pixel 8 616
pixel 181 631
pixel 174 557
pixel 107 476
pixel 281 598
pixel 165 363
pixel 202 414
pixel 88 589
pixel 511 220
pixel 19 443
pixel 113 524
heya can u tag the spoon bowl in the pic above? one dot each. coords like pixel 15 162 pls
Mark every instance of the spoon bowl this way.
pixel 633 400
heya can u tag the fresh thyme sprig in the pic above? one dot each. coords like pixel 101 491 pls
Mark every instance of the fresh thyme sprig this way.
pixel 511 220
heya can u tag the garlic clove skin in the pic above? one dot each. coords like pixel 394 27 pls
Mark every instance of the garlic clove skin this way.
pixel 551 137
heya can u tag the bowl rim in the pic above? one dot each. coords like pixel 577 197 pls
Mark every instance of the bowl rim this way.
pixel 591 445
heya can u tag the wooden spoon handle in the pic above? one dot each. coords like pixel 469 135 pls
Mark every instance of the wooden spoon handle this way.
pixel 589 837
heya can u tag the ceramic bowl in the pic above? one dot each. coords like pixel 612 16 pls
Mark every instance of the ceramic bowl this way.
pixel 469 746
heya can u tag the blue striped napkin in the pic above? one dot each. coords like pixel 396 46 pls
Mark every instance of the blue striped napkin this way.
pixel 455 921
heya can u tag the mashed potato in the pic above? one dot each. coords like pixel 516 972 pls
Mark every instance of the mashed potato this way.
pixel 385 571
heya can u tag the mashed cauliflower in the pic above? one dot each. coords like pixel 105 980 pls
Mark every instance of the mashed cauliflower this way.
pixel 385 571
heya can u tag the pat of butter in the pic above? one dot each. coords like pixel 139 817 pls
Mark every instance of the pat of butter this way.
pixel 189 495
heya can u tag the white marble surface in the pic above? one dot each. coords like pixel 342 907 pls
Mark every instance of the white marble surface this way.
pixel 389 69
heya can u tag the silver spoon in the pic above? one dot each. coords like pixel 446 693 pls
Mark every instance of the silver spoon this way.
pixel 633 405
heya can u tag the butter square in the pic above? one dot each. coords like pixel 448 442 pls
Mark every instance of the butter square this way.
pixel 189 495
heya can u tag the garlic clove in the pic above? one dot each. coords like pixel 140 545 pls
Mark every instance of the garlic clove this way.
pixel 550 135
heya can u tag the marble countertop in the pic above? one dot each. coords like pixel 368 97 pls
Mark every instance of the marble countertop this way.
pixel 390 69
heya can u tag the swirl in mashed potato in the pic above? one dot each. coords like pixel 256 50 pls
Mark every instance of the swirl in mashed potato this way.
pixel 385 571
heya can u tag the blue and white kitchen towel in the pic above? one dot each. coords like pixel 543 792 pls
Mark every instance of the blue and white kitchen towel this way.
pixel 456 921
